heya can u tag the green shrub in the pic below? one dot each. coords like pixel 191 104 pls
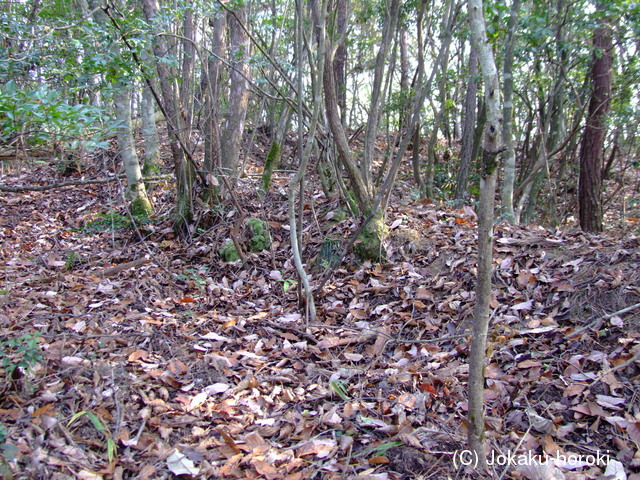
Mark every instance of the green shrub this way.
pixel 21 352
pixel 42 117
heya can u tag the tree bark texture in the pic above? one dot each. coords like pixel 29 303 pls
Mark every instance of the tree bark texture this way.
pixel 592 147
pixel 510 149
pixel 183 170
pixel 360 190
pixel 233 130
pixel 149 128
pixel 468 127
pixel 340 61
pixel 492 145
pixel 375 107
pixel 136 192
pixel 211 88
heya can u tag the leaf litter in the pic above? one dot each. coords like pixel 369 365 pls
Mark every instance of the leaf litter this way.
pixel 161 361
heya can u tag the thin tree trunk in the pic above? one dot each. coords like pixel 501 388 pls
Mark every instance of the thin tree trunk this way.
pixel 233 131
pixel 361 192
pixel 448 24
pixel 375 107
pixel 183 170
pixel 404 80
pixel 149 128
pixel 507 127
pixel 212 88
pixel 558 128
pixel 136 192
pixel 492 145
pixel 437 124
pixel 304 154
pixel 416 160
pixel 432 156
pixel 468 127
pixel 186 83
pixel 275 151
pixel 591 150
pixel 340 61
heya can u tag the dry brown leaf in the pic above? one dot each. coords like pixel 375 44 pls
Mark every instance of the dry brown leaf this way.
pixel 574 389
pixel 264 468
pixel 319 447
pixel 379 460
pixel 231 468
pixel 633 430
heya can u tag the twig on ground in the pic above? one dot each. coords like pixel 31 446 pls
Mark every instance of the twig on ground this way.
pixel 599 321
pixel 54 186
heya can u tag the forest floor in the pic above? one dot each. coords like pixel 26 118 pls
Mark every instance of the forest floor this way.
pixel 131 353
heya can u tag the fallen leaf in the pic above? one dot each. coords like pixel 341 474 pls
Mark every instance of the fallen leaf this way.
pixel 320 447
pixel 179 464
pixel 615 470
pixel 216 388
pixel 264 468
pixel 523 305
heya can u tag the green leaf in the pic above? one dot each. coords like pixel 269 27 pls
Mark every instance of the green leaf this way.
pixel 112 449
pixel 338 387
pixel 76 416
pixel 97 423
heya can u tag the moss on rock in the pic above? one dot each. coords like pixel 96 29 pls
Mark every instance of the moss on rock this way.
pixel 260 237
pixel 256 239
pixel 228 251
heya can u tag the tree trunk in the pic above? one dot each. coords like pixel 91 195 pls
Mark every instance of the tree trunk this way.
pixel 438 122
pixel 375 106
pixel 468 127
pixel 275 151
pixel 432 155
pixel 186 85
pixel 136 192
pixel 360 190
pixel 184 171
pixel 557 127
pixel 492 145
pixel 372 236
pixel 591 150
pixel 340 61
pixel 233 130
pixel 149 128
pixel 211 89
pixel 404 111
pixel 304 152
pixel 510 150
pixel 416 160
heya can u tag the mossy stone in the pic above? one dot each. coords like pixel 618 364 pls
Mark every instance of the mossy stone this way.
pixel 260 237
pixel 228 251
